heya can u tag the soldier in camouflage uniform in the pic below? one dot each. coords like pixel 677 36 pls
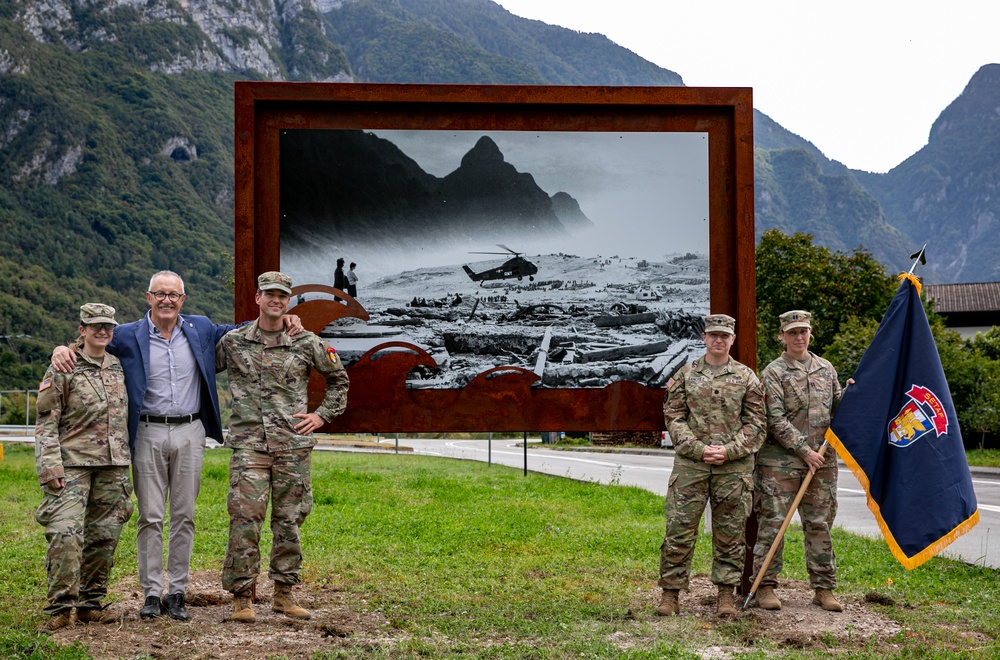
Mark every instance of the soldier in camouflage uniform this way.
pixel 270 433
pixel 802 395
pixel 714 410
pixel 82 460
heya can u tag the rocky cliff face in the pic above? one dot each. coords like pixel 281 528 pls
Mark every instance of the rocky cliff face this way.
pixel 276 39
pixel 946 193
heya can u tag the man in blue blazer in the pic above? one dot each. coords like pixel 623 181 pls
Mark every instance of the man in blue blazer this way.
pixel 173 405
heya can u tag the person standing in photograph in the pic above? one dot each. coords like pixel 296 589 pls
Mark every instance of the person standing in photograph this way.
pixel 82 460
pixel 339 280
pixel 802 394
pixel 352 281
pixel 270 433
pixel 714 411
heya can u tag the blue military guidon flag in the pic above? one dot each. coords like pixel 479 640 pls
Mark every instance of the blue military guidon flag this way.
pixel 897 431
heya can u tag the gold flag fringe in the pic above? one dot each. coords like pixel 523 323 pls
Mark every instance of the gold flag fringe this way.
pixel 908 562
pixel 913 280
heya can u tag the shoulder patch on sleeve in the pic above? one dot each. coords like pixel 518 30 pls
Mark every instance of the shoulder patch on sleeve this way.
pixel 331 352
pixel 45 384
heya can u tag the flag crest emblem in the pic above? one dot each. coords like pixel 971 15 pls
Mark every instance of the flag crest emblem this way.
pixel 923 414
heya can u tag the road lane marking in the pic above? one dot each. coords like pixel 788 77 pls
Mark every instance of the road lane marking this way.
pixel 563 458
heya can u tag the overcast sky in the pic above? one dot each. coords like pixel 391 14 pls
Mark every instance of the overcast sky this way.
pixel 862 80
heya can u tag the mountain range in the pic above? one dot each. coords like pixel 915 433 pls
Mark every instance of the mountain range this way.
pixel 354 187
pixel 116 140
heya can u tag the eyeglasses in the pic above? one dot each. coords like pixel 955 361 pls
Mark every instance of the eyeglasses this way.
pixel 172 296
pixel 101 327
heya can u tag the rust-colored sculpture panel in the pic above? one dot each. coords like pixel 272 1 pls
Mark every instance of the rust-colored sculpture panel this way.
pixel 507 397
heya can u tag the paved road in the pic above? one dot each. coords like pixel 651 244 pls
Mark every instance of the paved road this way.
pixel 651 472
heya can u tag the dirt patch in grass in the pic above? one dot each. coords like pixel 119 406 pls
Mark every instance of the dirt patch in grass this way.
pixel 336 624
pixel 211 634
pixel 798 624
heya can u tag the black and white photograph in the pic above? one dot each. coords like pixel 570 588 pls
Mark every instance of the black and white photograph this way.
pixel 580 256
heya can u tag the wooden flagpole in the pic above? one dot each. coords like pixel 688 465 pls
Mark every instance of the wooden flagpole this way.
pixel 781 532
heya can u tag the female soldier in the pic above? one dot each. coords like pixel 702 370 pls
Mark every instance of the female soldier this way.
pixel 82 459
pixel 802 394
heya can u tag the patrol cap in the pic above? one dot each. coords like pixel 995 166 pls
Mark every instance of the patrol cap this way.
pixel 97 313
pixel 272 279
pixel 720 323
pixel 796 318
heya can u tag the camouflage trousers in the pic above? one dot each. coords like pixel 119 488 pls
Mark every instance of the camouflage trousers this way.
pixel 689 490
pixel 776 488
pixel 82 524
pixel 254 477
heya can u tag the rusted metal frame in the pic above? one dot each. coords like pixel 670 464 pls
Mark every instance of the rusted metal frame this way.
pixel 379 400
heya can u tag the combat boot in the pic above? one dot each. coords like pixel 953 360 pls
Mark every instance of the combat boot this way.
pixel 825 599
pixel 243 608
pixel 284 602
pixel 96 615
pixel 669 606
pixel 725 608
pixel 61 620
pixel 767 599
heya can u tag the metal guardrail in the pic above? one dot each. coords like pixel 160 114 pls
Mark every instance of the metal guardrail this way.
pixel 28 423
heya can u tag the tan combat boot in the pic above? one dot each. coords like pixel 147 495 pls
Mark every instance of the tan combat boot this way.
pixel 96 615
pixel 61 620
pixel 284 602
pixel 725 608
pixel 825 599
pixel 669 606
pixel 243 608
pixel 767 599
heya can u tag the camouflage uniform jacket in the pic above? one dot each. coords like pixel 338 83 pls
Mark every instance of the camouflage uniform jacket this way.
pixel 269 384
pixel 800 404
pixel 727 409
pixel 82 417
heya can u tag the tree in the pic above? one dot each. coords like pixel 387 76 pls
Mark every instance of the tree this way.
pixel 981 413
pixel 846 349
pixel 835 287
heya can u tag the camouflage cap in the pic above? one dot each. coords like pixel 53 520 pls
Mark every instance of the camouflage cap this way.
pixel 795 319
pixel 720 323
pixel 272 279
pixel 97 313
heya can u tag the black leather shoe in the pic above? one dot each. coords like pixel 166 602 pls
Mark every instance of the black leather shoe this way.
pixel 152 608
pixel 173 604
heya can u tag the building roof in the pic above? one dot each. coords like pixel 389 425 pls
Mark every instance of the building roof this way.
pixel 967 297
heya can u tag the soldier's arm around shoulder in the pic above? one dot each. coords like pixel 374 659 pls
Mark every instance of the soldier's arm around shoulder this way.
pixel 326 361
pixel 676 414
pixel 52 392
pixel 221 361
pixel 220 330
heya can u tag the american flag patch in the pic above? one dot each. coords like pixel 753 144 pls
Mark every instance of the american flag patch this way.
pixel 45 384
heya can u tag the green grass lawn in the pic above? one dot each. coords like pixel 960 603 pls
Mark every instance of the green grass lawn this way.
pixel 984 457
pixel 478 561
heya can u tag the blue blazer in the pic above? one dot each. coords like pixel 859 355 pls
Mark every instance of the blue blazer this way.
pixel 130 344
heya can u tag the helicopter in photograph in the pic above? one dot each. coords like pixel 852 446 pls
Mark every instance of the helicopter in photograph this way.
pixel 516 267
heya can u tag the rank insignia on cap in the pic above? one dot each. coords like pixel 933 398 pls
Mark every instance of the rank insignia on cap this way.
pixel 45 384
